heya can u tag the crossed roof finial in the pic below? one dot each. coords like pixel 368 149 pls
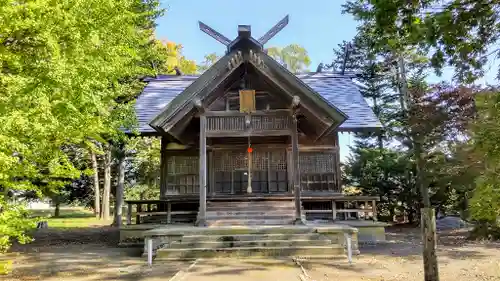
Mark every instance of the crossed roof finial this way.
pixel 244 30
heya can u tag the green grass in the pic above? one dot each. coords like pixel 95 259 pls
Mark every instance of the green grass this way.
pixel 70 218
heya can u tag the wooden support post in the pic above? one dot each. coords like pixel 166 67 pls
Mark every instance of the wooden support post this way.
pixel 201 221
pixel 296 172
pixel 269 159
pixel 149 246
pixel 374 210
pixel 338 176
pixel 211 173
pixel 334 210
pixel 250 158
pixel 163 168
pixel 138 217
pixel 428 222
pixel 169 213
pixel 129 214
pixel 356 206
pixel 348 241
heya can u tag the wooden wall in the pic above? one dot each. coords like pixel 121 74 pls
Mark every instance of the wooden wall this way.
pixel 319 164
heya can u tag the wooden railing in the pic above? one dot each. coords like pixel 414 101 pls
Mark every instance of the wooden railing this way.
pixel 261 123
pixel 153 208
pixel 359 209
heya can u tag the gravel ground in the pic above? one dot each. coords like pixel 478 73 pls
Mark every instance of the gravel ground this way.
pixel 90 254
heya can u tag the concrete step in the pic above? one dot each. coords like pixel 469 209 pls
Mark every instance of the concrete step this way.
pixel 247 244
pixel 243 222
pixel 249 252
pixel 252 237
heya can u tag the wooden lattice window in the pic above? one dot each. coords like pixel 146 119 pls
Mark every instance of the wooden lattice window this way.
pixel 269 171
pixel 318 171
pixel 182 174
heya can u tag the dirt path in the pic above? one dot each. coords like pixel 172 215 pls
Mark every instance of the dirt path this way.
pixel 89 255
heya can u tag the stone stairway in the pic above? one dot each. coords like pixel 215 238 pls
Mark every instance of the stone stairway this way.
pixel 271 212
pixel 255 242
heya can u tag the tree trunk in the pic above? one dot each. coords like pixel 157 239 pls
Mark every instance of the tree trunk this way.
pixel 120 187
pixel 57 203
pixel 107 184
pixel 428 220
pixel 97 195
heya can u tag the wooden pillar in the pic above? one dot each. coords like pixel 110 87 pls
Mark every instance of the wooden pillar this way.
pixel 334 210
pixel 338 172
pixel 163 168
pixel 129 214
pixel 374 210
pixel 169 213
pixel 211 173
pixel 138 217
pixel 201 220
pixel 296 172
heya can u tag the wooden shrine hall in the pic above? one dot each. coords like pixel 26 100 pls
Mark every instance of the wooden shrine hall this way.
pixel 249 135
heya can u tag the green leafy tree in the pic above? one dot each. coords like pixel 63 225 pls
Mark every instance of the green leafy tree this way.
pixel 485 203
pixel 460 33
pixel 165 56
pixel 67 72
pixel 208 61
pixel 144 169
pixel 294 57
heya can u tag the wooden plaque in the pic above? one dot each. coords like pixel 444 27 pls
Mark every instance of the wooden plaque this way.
pixel 247 101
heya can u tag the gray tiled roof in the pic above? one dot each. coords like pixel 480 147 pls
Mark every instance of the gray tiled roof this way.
pixel 339 90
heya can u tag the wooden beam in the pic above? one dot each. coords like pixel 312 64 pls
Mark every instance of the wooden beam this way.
pixel 338 174
pixel 273 112
pixel 374 208
pixel 201 220
pixel 334 210
pixel 211 171
pixel 129 214
pixel 295 172
pixel 163 168
pixel 169 213
pixel 247 133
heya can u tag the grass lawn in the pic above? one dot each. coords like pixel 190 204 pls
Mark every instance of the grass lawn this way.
pixel 70 218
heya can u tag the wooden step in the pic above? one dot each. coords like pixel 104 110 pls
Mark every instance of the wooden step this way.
pixel 234 222
pixel 250 213
pixel 246 217
pixel 276 204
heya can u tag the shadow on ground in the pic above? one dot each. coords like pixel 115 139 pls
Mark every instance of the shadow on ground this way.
pixel 89 254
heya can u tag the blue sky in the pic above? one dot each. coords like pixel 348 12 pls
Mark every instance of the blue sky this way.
pixel 316 25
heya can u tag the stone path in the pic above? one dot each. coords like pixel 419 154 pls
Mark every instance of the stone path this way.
pixel 241 270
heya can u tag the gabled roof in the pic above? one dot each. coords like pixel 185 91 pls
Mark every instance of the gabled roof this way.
pixel 338 90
